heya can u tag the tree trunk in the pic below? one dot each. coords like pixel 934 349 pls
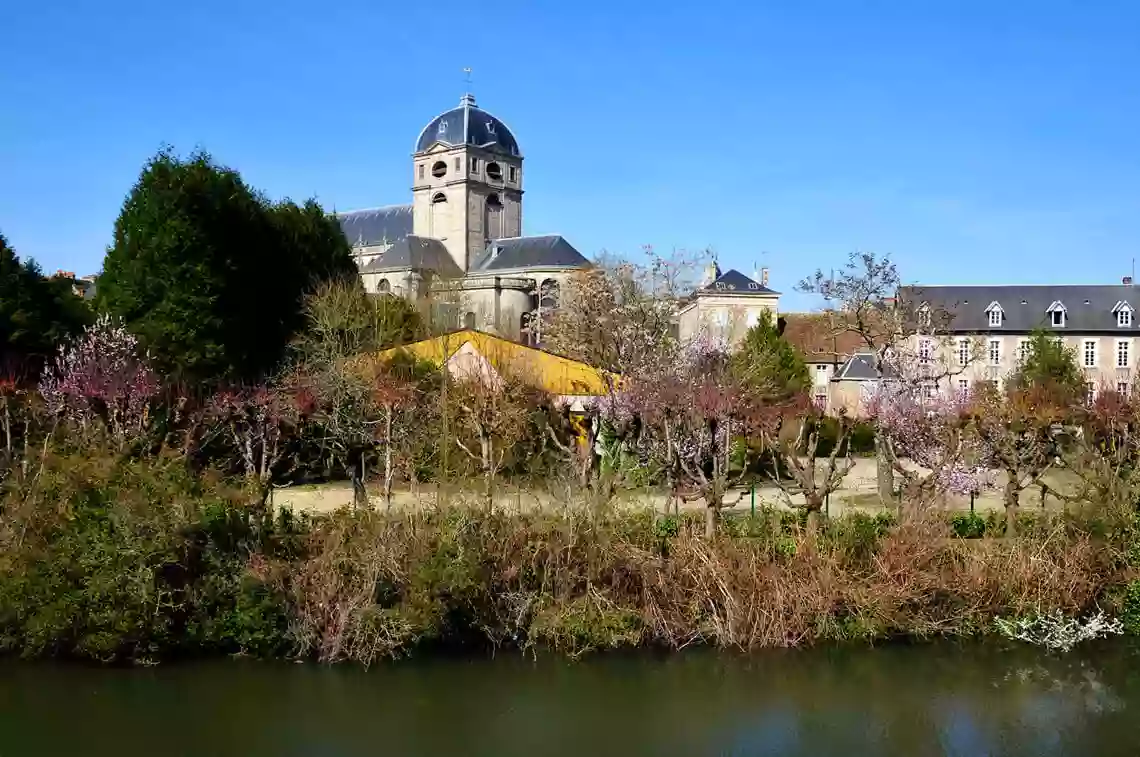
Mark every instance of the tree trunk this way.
pixel 813 503
pixel 812 522
pixel 884 472
pixel 1011 495
pixel 710 520
pixel 388 472
pixel 489 489
pixel 359 491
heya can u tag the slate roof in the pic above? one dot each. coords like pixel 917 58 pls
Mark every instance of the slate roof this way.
pixel 860 367
pixel 374 226
pixel 735 282
pixel 470 125
pixel 551 251
pixel 1089 308
pixel 420 253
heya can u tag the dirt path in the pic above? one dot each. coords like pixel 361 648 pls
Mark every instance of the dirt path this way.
pixel 858 492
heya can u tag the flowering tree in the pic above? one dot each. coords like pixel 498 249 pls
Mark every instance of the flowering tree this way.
pixel 866 299
pixel 930 429
pixel 688 416
pixel 99 380
pixel 616 316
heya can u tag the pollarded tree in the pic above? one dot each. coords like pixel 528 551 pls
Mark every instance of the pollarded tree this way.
pixel 931 429
pixel 493 414
pixel 690 414
pixel 209 275
pixel 1020 431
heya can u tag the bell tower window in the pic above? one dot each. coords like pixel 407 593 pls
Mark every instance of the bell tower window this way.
pixel 513 172
pixel 494 172
pixel 494 217
pixel 439 169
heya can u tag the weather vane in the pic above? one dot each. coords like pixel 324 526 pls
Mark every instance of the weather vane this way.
pixel 467 76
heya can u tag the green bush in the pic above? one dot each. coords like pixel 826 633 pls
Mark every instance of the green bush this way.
pixel 968 525
pixel 860 442
pixel 132 560
pixel 1130 611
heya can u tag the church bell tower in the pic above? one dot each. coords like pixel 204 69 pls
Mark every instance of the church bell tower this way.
pixel 467 181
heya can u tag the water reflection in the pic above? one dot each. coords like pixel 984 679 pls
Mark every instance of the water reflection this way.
pixel 904 701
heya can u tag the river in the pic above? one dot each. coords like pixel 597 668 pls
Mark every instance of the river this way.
pixel 905 701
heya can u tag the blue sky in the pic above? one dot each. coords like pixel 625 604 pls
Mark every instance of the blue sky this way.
pixel 973 141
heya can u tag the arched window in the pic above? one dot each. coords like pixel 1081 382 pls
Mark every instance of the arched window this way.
pixel 493 223
pixel 437 215
pixel 548 294
pixel 469 320
pixel 439 169
pixel 383 287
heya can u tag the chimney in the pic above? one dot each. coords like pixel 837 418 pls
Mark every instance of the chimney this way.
pixel 764 277
pixel 1126 281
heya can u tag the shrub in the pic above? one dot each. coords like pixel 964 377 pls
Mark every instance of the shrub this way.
pixel 1130 611
pixel 968 525
pixel 131 560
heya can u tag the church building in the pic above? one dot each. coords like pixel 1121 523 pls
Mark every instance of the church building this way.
pixel 459 245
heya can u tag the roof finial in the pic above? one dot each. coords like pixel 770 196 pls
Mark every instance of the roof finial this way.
pixel 468 98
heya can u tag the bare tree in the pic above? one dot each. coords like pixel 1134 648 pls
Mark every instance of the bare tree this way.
pixel 798 455
pixel 492 414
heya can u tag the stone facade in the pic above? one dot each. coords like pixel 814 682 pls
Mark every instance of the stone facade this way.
pixel 726 305
pixel 459 248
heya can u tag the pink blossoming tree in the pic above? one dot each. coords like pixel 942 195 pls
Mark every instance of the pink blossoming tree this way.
pixel 100 384
pixel 930 429
pixel 689 414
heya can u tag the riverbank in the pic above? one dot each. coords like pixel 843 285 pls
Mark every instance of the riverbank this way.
pixel 142 561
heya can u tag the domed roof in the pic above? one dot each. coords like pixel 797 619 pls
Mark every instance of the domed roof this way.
pixel 468 125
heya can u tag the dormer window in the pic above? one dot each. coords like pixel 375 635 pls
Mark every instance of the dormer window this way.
pixel 1057 315
pixel 1123 314
pixel 996 314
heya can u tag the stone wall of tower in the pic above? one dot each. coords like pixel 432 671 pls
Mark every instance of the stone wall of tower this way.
pixel 439 202
pixel 471 179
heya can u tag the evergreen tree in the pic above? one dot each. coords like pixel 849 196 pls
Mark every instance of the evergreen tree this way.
pixel 768 363
pixel 209 275
pixel 1049 366
pixel 37 313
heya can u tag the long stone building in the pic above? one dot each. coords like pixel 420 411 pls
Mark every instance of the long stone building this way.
pixel 988 329
pixel 968 334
